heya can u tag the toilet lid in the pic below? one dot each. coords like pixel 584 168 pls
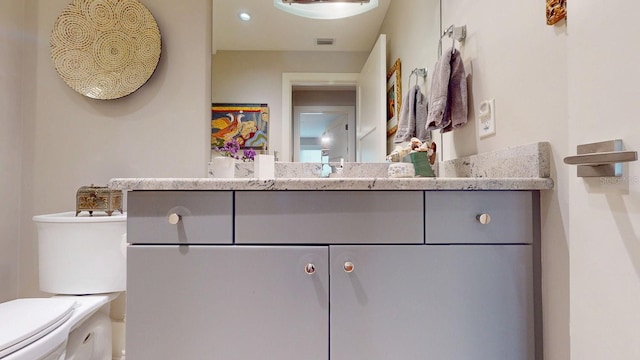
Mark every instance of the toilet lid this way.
pixel 27 320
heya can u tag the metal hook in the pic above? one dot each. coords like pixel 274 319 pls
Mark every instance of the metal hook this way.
pixel 455 33
pixel 422 72
pixel 448 32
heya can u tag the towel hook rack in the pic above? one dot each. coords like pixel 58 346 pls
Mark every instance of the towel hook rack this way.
pixel 456 33
pixel 421 72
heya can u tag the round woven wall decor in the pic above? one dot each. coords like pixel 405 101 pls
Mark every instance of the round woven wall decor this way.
pixel 105 49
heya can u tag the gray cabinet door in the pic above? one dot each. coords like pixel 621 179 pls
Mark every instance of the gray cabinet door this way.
pixel 431 302
pixel 227 303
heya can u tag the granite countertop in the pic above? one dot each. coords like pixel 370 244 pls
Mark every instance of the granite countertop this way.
pixel 129 184
pixel 524 167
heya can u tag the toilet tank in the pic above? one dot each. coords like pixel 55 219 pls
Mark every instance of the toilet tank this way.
pixel 82 254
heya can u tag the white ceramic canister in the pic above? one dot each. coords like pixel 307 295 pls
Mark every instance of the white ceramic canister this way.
pixel 223 167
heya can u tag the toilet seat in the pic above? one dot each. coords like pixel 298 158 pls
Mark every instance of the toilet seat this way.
pixel 44 315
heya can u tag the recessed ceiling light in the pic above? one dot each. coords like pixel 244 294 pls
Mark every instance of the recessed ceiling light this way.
pixel 244 16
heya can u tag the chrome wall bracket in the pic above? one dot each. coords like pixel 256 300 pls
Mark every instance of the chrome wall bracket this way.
pixel 456 33
pixel 601 159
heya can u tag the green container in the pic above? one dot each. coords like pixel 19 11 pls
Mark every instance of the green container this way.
pixel 420 161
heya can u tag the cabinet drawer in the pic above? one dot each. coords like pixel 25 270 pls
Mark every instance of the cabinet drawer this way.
pixel 329 217
pixel 451 217
pixel 206 217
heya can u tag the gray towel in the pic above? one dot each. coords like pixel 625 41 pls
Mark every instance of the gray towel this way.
pixel 421 117
pixel 413 117
pixel 448 97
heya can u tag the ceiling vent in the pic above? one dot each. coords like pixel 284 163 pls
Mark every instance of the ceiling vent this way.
pixel 325 41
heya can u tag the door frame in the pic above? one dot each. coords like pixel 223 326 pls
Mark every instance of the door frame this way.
pixel 349 111
pixel 289 80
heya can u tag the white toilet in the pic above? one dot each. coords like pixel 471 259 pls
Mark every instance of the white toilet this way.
pixel 82 260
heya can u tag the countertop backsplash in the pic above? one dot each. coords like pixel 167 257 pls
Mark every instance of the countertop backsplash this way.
pixel 524 167
pixel 524 161
pixel 313 170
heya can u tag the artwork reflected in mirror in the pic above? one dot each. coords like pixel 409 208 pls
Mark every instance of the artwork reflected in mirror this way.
pixel 394 97
pixel 247 124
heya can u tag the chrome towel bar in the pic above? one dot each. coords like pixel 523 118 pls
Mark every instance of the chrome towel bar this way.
pixel 601 159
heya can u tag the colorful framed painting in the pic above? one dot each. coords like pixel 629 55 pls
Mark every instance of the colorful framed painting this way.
pixel 394 98
pixel 556 11
pixel 248 124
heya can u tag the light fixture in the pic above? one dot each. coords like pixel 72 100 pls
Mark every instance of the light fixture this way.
pixel 244 16
pixel 325 9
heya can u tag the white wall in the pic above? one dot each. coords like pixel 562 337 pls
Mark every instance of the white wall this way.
pixel 603 56
pixel 70 140
pixel 11 44
pixel 256 77
pixel 412 28
pixel 570 84
pixel 512 56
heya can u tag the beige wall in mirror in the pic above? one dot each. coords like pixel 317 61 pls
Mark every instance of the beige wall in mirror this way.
pixel 255 75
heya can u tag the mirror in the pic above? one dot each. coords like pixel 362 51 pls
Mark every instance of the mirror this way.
pixel 250 58
pixel 324 127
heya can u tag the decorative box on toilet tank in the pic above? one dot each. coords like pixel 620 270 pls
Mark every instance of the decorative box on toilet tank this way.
pixel 98 198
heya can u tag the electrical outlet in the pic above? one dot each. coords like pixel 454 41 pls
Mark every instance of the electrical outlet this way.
pixel 487 118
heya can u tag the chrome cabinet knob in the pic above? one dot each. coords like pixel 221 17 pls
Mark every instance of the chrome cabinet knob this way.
pixel 310 269
pixel 174 218
pixel 483 219
pixel 348 267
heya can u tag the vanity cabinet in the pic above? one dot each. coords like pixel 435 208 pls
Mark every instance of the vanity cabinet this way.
pixel 298 281
pixel 222 302
pixel 431 302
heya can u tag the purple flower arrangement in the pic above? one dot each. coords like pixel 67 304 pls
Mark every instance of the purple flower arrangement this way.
pixel 232 149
